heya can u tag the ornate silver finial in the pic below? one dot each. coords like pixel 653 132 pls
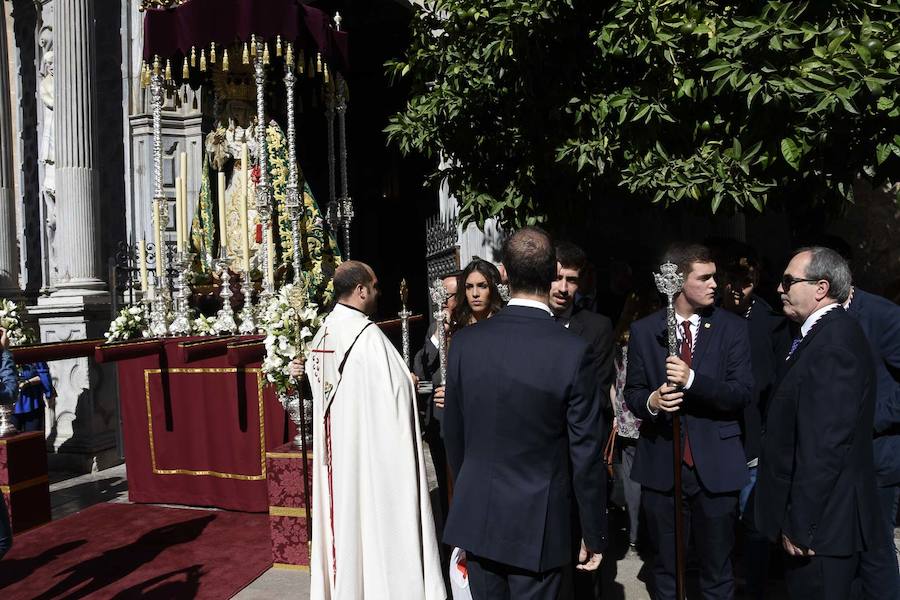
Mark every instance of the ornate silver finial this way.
pixel 438 294
pixel 504 292
pixel 337 20
pixel 669 282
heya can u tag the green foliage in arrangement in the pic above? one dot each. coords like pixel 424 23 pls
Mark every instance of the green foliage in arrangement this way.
pixel 533 104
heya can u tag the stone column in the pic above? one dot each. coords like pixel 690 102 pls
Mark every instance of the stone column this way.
pixel 76 174
pixel 9 262
pixel 81 429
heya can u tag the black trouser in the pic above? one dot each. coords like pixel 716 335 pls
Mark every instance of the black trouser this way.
pixel 490 580
pixel 820 577
pixel 710 518
pixel 878 565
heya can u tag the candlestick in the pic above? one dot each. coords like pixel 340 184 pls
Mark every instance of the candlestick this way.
pixel 142 260
pixel 245 226
pixel 270 258
pixel 157 239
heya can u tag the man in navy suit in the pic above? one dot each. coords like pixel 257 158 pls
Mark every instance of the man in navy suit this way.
pixel 816 488
pixel 880 321
pixel 707 387
pixel 521 428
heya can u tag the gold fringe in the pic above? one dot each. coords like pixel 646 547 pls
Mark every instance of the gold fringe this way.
pixel 266 54
pixel 278 46
pixel 193 57
pixel 301 62
pixel 156 65
pixel 203 59
pixel 168 70
pixel 318 62
pixel 185 70
pixel 212 53
pixel 289 57
pixel 325 72
pixel 145 74
pixel 245 56
pixel 225 59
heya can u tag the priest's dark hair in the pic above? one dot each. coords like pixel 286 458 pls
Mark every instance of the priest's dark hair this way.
pixel 684 255
pixel 529 258
pixel 571 256
pixel 348 275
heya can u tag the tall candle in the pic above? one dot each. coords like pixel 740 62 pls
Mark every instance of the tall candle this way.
pixel 270 255
pixel 157 239
pixel 142 260
pixel 245 225
pixel 179 219
pixel 223 226
pixel 185 230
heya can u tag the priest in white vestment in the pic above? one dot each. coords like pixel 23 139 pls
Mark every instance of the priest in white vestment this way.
pixel 373 534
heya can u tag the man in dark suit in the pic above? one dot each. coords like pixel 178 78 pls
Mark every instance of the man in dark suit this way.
pixel 595 329
pixel 880 321
pixel 816 488
pixel 707 387
pixel 770 340
pixel 521 431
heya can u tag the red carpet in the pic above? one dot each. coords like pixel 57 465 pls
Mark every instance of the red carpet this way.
pixel 138 551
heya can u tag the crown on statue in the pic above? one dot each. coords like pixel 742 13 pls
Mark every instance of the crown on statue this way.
pixel 236 84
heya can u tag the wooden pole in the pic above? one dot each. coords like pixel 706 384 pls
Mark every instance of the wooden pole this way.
pixel 679 509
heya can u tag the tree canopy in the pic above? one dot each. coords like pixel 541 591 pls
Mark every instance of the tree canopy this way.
pixel 534 105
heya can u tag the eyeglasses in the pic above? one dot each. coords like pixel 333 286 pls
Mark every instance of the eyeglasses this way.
pixel 788 280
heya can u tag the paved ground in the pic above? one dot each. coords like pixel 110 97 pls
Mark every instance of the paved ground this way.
pixel 623 577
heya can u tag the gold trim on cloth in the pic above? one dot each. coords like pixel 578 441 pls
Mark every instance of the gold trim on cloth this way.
pixel 286 511
pixel 286 567
pixel 295 455
pixel 262 425
pixel 22 485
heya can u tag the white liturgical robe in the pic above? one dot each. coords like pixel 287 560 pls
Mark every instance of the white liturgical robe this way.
pixel 373 533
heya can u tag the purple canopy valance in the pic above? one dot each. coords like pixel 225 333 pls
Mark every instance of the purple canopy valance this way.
pixel 172 32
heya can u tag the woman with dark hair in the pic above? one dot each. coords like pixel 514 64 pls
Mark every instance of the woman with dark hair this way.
pixel 477 295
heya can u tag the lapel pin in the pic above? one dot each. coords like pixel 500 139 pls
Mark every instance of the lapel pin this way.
pixel 706 325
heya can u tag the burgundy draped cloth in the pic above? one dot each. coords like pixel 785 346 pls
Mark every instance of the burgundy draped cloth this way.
pixel 172 32
pixel 197 433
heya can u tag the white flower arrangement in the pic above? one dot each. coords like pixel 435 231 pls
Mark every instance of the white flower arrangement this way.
pixel 128 325
pixel 12 320
pixel 289 328
pixel 203 325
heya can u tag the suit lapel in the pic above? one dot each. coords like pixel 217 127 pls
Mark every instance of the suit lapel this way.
pixel 820 324
pixel 575 325
pixel 704 336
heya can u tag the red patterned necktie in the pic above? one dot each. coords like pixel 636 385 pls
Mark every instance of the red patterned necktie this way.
pixel 686 352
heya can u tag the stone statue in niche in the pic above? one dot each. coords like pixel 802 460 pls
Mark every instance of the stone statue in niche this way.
pixel 47 151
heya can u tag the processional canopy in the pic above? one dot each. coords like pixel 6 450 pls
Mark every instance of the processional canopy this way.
pixel 196 34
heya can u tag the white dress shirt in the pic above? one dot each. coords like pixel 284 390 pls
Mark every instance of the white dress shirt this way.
pixel 530 304
pixel 814 318
pixel 694 320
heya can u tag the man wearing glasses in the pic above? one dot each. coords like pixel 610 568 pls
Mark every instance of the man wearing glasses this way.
pixel 816 488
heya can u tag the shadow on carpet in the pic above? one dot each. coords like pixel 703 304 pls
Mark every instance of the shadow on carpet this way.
pixel 138 551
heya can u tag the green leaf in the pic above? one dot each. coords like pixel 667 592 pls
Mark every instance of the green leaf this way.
pixel 791 153
pixel 882 151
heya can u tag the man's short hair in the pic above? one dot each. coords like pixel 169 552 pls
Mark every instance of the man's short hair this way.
pixel 685 255
pixel 827 264
pixel 530 261
pixel 571 256
pixel 348 275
